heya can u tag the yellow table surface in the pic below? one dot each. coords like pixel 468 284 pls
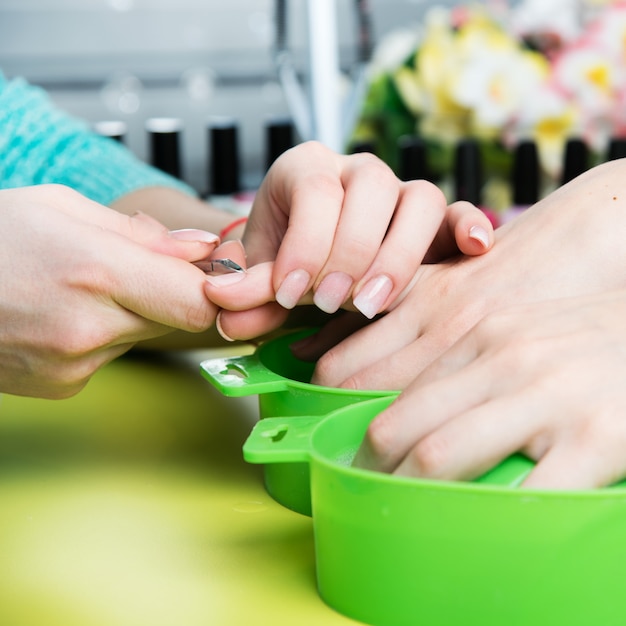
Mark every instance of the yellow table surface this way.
pixel 130 505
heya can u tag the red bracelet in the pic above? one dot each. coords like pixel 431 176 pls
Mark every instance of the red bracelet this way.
pixel 232 226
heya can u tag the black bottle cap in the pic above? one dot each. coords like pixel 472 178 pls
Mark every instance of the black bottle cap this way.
pixel 363 146
pixel 279 137
pixel 224 156
pixel 525 173
pixel 468 175
pixel 617 149
pixel 575 159
pixel 114 129
pixel 412 161
pixel 164 147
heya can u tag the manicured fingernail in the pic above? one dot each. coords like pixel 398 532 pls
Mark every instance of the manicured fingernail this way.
pixel 373 295
pixel 478 233
pixel 292 288
pixel 220 330
pixel 194 234
pixel 224 280
pixel 332 291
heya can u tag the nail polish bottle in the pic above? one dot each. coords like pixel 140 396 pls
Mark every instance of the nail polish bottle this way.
pixel 164 144
pixel 468 176
pixel 224 167
pixel 524 179
pixel 279 137
pixel 616 149
pixel 575 159
pixel 114 129
pixel 412 159
pixel 362 146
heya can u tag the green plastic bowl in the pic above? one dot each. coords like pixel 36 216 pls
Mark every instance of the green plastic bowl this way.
pixel 282 383
pixel 394 551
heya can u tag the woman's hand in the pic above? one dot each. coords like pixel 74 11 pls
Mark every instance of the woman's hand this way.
pixel 569 244
pixel 328 228
pixel 545 379
pixel 82 283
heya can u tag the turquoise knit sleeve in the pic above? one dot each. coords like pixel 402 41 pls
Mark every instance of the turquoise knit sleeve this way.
pixel 41 144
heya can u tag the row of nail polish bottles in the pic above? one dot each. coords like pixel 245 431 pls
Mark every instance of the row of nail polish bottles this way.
pixel 223 163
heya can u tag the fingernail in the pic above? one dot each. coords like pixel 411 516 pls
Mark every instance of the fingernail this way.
pixel 478 233
pixel 292 288
pixel 220 330
pixel 193 234
pixel 332 291
pixel 224 280
pixel 373 295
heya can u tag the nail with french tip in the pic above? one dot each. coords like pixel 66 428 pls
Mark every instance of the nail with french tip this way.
pixel 293 287
pixel 332 291
pixel 478 233
pixel 373 295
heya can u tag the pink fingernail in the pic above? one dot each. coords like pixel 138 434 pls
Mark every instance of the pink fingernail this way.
pixel 293 287
pixel 333 291
pixel 194 234
pixel 478 233
pixel 373 295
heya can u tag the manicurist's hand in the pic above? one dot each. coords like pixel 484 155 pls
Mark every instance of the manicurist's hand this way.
pixel 569 244
pixel 82 283
pixel 545 379
pixel 334 229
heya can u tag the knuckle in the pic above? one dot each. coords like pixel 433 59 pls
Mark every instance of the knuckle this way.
pixel 423 191
pixel 377 171
pixel 430 456
pixel 199 318
pixel 380 435
pixel 324 183
pixel 325 369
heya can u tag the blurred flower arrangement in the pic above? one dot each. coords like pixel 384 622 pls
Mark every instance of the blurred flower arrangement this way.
pixel 544 70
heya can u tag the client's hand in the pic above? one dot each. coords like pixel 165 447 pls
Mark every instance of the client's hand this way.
pixel 545 379
pixel 329 228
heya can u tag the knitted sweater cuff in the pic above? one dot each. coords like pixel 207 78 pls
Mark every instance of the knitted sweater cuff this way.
pixel 40 144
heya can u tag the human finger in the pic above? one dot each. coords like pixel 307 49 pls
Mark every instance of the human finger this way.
pixel 160 288
pixel 394 432
pixel 188 244
pixel 312 347
pixel 418 214
pixel 299 203
pixel 240 291
pixel 593 460
pixel 482 432
pixel 250 323
pixel 465 228
pixel 363 349
pixel 370 199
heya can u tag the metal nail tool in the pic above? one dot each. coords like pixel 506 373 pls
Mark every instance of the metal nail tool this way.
pixel 218 265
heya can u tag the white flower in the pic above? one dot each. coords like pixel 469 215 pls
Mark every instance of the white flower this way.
pixel 558 17
pixel 590 76
pixel 393 50
pixel 495 85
